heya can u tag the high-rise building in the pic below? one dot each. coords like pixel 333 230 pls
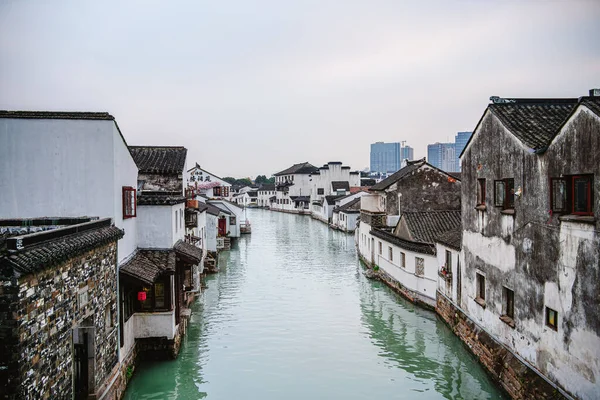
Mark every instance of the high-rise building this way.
pixel 389 157
pixel 442 156
pixel 385 157
pixel 460 141
pixel 406 153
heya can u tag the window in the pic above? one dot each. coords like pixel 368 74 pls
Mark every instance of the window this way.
pixel 391 253
pixel 129 203
pixel 225 191
pixel 448 261
pixel 176 220
pixel 419 266
pixel 159 295
pixel 217 191
pixel 551 318
pixel 402 260
pixel 481 192
pixel 504 193
pixel 380 248
pixel 480 295
pixel 320 191
pixel 232 220
pixel 509 303
pixel 582 194
pixel 572 194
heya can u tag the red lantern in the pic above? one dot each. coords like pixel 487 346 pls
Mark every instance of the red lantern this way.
pixel 142 296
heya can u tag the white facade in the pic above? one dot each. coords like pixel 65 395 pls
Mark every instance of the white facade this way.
pixel 67 168
pixel 207 183
pixel 235 216
pixel 153 221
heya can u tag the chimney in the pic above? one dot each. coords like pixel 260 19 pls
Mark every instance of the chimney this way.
pixel 594 92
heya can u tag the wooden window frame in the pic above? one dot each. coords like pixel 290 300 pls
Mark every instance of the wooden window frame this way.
pixel 481 188
pixel 129 194
pixel 588 195
pixel 508 191
pixel 403 259
pixel 547 318
pixel 232 220
pixel 509 302
pixel 565 198
pixel 480 282
pixel 391 253
pixel 448 261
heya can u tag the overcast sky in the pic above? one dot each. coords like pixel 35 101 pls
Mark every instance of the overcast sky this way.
pixel 251 87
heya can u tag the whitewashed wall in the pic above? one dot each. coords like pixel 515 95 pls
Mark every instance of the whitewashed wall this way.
pixel 152 226
pixel 66 168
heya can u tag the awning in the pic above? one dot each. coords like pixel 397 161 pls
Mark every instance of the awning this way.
pixel 148 265
pixel 189 252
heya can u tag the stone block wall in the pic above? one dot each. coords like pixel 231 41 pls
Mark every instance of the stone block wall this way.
pixel 37 315
pixel 514 376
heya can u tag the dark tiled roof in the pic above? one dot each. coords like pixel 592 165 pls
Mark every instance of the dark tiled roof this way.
pixel 302 168
pixel 267 187
pixel 411 166
pixel 147 265
pixel 331 199
pixel 272 198
pixel 340 185
pixel 367 182
pixel 252 193
pixel 425 248
pixel 534 122
pixel 56 115
pixel 214 210
pixel 159 159
pixel 426 226
pixel 156 199
pixel 297 199
pixel 456 175
pixel 452 239
pixel 593 103
pixel 51 247
pixel 191 252
pixel 352 206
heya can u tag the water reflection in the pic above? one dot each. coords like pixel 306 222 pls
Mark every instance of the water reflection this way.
pixel 291 316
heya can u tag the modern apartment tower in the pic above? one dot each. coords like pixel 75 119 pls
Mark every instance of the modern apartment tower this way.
pixel 460 142
pixel 442 156
pixel 445 156
pixel 388 157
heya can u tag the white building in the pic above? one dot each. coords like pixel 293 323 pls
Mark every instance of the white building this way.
pixel 208 184
pixel 265 192
pixel 400 222
pixel 329 182
pixel 293 188
pixel 346 212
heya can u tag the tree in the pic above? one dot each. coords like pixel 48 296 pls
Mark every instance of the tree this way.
pixel 260 179
pixel 229 180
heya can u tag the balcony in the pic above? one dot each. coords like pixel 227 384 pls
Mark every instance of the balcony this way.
pixel 191 219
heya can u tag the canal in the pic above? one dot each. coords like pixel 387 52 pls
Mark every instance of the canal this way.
pixel 291 316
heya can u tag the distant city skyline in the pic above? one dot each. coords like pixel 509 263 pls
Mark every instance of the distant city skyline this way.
pixel 388 157
pixel 446 156
pixel 251 87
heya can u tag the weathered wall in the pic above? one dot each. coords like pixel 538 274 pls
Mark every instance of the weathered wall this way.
pixel 519 381
pixel 426 189
pixel 545 261
pixel 162 182
pixel 37 324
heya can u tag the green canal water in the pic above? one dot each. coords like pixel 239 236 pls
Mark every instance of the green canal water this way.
pixel 291 316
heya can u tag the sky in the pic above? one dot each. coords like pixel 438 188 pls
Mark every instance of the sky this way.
pixel 252 87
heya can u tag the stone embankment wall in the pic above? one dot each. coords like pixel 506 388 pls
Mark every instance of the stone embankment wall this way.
pixel 515 377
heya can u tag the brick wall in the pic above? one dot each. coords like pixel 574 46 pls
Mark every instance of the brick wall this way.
pixel 515 377
pixel 43 308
